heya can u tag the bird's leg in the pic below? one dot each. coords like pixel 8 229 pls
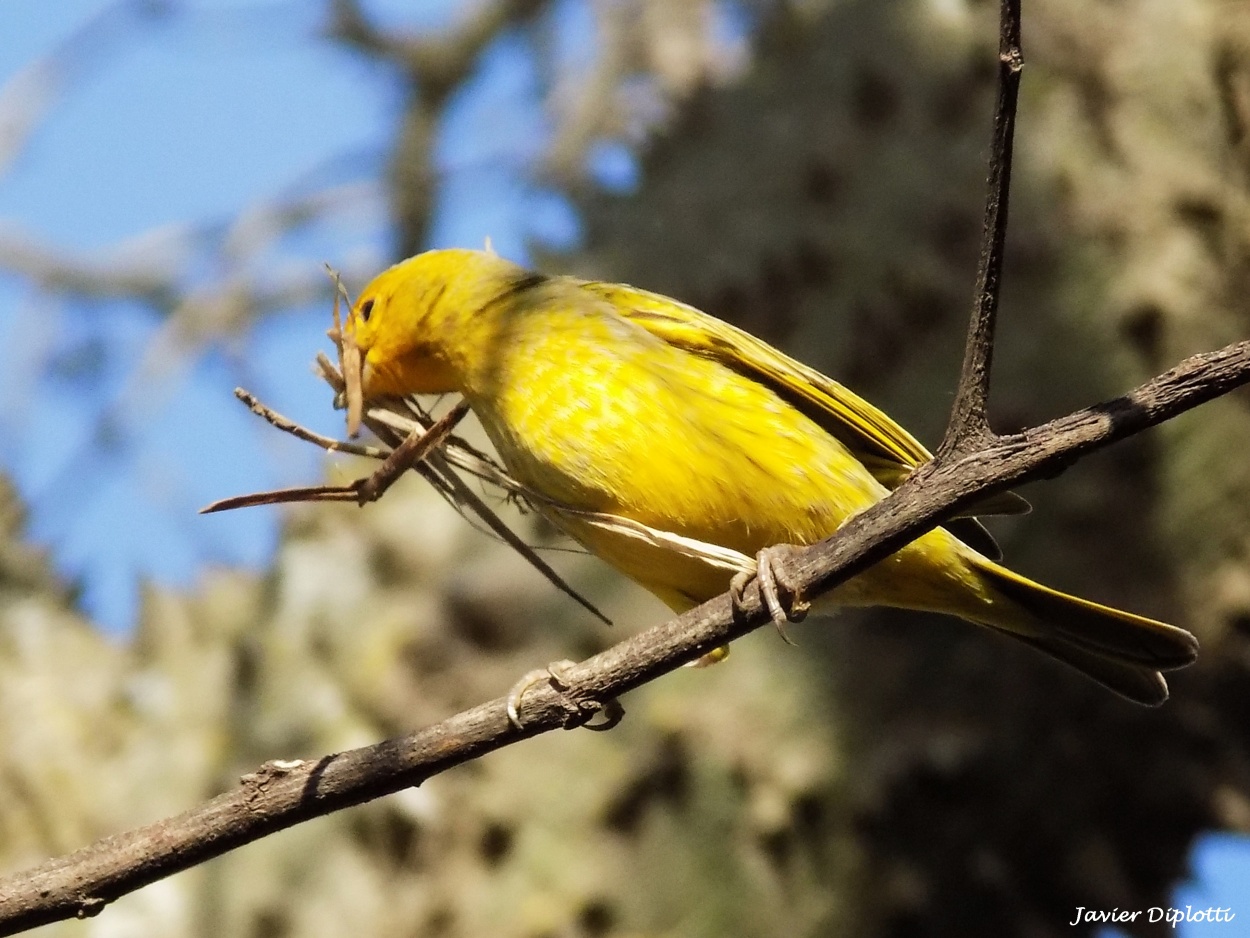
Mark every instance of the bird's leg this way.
pixel 778 592
pixel 556 674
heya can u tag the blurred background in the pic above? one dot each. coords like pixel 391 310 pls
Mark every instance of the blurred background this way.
pixel 173 176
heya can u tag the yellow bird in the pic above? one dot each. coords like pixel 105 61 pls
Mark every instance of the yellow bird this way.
pixel 605 398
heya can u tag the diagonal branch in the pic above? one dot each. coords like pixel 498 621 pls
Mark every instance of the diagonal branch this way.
pixel 281 794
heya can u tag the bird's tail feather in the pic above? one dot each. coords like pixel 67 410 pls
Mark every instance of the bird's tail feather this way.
pixel 1136 682
pixel 1119 650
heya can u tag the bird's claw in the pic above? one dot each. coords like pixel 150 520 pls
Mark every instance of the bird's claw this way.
pixel 778 592
pixel 556 675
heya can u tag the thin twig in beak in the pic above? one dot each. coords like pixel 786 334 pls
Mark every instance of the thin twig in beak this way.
pixel 350 364
pixel 350 359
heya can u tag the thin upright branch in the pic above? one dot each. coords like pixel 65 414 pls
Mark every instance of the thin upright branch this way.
pixel 969 425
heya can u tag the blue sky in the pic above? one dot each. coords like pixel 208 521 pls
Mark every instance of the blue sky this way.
pixel 178 121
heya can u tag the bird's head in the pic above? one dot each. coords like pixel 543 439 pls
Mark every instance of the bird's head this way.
pixel 413 326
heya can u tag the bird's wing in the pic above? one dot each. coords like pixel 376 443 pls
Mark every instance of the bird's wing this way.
pixel 888 451
pixel 869 433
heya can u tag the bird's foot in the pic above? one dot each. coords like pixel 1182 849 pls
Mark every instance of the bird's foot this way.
pixel 779 593
pixel 556 675
pixel 715 656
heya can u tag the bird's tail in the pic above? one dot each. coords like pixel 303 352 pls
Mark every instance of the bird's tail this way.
pixel 1119 650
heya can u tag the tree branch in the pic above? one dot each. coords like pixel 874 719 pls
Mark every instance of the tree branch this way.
pixel 281 794
pixel 433 67
pixel 969 425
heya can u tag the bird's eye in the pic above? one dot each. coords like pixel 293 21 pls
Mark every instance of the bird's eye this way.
pixel 365 309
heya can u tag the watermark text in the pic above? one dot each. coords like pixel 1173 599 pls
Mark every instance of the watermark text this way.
pixel 1154 914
